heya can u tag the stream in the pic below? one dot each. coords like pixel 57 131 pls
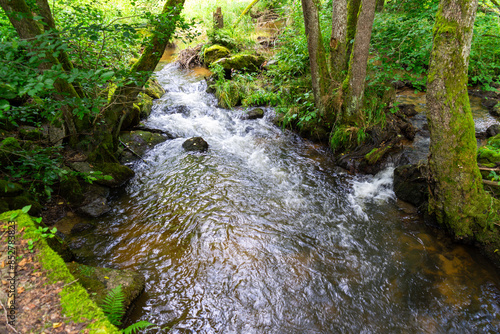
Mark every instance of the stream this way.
pixel 263 234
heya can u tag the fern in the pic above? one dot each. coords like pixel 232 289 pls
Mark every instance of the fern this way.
pixel 112 305
pixel 135 328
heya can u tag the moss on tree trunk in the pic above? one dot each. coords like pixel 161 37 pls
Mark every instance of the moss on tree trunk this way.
pixel 457 198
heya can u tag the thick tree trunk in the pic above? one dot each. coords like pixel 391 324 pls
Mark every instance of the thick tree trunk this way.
pixel 354 85
pixel 338 41
pixel 317 55
pixel 457 198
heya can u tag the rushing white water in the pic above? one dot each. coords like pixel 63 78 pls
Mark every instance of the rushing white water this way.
pixel 263 234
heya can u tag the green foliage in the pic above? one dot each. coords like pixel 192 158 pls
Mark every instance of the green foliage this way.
pixel 402 38
pixel 112 305
pixel 113 308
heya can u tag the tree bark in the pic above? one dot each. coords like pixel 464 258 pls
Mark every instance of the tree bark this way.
pixel 457 198
pixel 354 85
pixel 338 41
pixel 317 55
pixel 352 21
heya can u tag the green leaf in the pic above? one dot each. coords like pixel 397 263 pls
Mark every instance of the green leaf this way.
pixel 107 75
pixel 26 209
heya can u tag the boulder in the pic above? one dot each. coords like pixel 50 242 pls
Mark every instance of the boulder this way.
pixel 214 53
pixel 407 109
pixel 10 189
pixel 100 281
pixel 139 142
pixel 95 208
pixel 70 189
pixel 195 144
pixel 410 184
pixel 253 114
pixel 119 173
pixel 493 130
pixel 154 89
pixel 30 133
pixel 145 104
pixel 241 62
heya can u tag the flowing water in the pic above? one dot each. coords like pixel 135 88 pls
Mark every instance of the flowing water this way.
pixel 262 234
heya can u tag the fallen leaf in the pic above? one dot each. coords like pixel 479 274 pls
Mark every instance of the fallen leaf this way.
pixel 60 203
pixel 22 230
pixel 3 264
pixel 37 274
pixel 23 262
pixel 106 277
pixel 20 289
pixel 4 282
pixel 57 324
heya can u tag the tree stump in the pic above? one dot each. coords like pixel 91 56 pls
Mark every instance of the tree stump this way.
pixel 218 19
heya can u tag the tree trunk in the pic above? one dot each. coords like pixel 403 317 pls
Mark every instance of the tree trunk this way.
pixel 317 55
pixel 352 21
pixel 123 99
pixel 244 12
pixel 457 198
pixel 354 85
pixel 218 19
pixel 338 41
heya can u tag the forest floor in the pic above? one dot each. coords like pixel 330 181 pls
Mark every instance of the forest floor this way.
pixel 37 302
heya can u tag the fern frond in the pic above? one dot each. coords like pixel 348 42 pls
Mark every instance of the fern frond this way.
pixel 112 305
pixel 132 329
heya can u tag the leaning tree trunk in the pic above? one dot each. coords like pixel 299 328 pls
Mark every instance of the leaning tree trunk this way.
pixel 317 55
pixel 338 41
pixel 121 105
pixel 457 198
pixel 354 85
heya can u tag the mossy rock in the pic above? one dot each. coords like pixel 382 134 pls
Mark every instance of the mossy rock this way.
pixel 30 133
pixel 241 62
pixel 99 281
pixel 25 199
pixel 139 142
pixel 214 53
pixel 253 114
pixel 4 206
pixel 154 89
pixel 376 154
pixel 132 117
pixel 488 156
pixel 8 147
pixel 145 104
pixel 118 172
pixel 71 190
pixel 10 189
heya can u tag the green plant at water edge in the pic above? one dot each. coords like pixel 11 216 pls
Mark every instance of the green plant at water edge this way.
pixel 114 310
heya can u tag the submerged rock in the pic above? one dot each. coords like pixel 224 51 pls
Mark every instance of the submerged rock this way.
pixel 195 144
pixel 95 208
pixel 100 281
pixel 253 114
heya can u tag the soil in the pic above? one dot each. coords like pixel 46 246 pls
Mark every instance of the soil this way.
pixel 38 304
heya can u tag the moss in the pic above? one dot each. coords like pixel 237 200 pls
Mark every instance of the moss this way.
pixel 118 172
pixel 153 89
pixel 71 190
pixel 10 189
pixel 19 202
pixel 75 301
pixel 214 53
pixel 8 147
pixel 241 62
pixel 488 156
pixel 376 154
pixel 145 104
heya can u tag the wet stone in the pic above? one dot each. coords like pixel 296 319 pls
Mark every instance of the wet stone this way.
pixel 195 144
